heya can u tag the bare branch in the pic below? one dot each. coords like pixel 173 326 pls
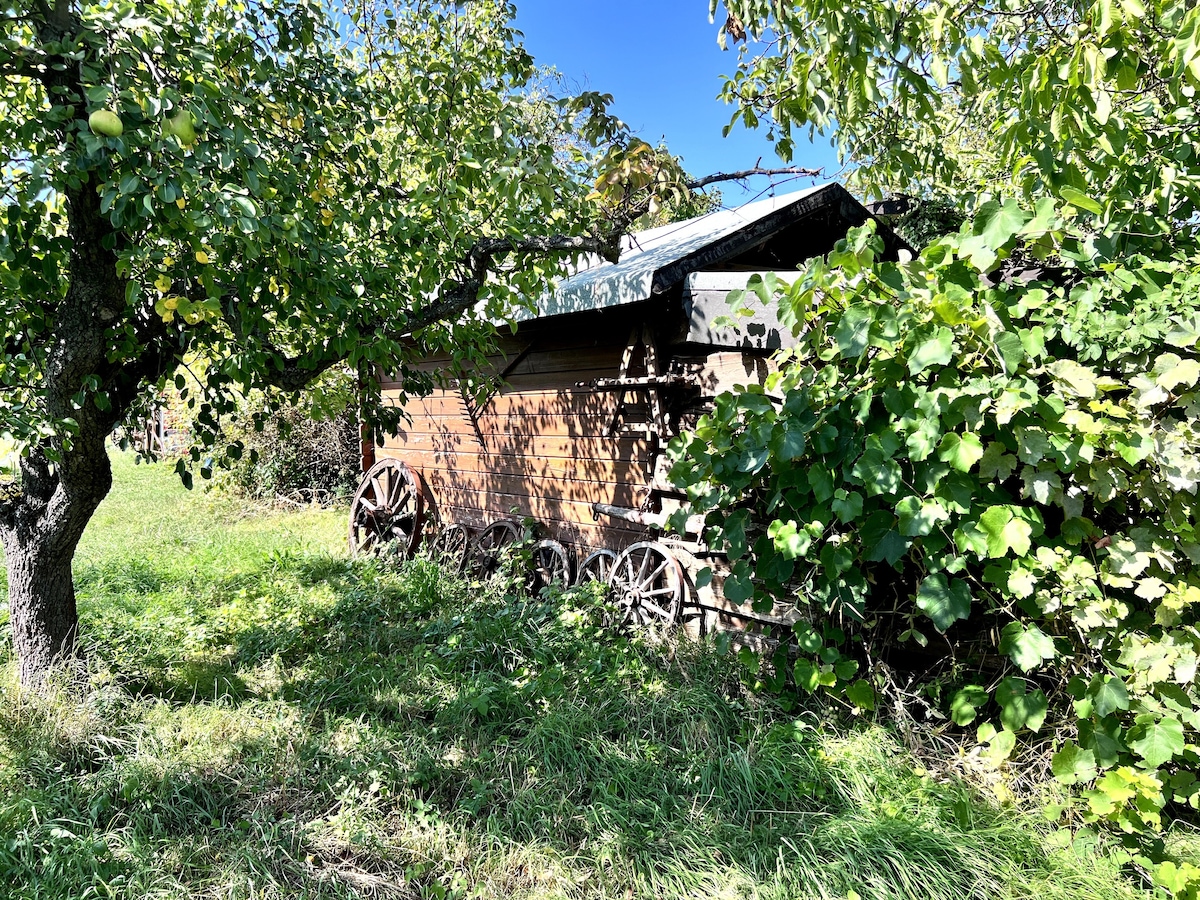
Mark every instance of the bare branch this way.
pixel 479 259
pixel 747 173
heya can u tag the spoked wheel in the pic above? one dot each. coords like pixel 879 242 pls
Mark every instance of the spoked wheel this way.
pixel 449 549
pixel 387 511
pixel 490 545
pixel 551 564
pixel 596 567
pixel 647 585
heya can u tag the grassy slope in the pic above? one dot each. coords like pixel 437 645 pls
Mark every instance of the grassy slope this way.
pixel 268 719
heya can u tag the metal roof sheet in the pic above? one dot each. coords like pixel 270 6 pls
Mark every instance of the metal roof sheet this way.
pixel 598 284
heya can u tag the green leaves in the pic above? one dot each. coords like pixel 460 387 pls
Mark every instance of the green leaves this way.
pixel 935 350
pixel 846 505
pixel 1020 708
pixel 1171 372
pixel 965 704
pixel 1005 532
pixel 1037 369
pixel 917 517
pixel 738 586
pixel 980 483
pixel 788 539
pixel 999 223
pixel 1080 381
pixel 1072 765
pixel 1080 200
pixel 861 694
pixel 1156 741
pixel 961 451
pixel 1109 695
pixel 331 200
pixel 944 600
pixel 853 330
pixel 877 472
pixel 1027 646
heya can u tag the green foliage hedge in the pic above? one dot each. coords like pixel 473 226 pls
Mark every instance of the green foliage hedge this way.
pixel 989 478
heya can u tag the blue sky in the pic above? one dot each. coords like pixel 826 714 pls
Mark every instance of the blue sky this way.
pixel 660 61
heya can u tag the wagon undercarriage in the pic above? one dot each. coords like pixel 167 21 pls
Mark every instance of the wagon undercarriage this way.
pixel 388 517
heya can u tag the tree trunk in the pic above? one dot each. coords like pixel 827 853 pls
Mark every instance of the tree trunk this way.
pixel 40 535
pixel 94 353
pixel 45 621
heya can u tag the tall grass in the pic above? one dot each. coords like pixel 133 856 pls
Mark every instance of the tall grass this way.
pixel 269 719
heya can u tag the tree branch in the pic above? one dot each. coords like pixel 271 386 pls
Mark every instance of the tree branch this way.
pixel 43 10
pixel 456 298
pixel 62 14
pixel 479 261
pixel 480 257
pixel 747 173
pixel 295 376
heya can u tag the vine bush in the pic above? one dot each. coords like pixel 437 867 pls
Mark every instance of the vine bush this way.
pixel 985 473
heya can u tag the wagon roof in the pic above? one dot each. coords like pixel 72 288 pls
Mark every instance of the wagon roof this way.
pixel 655 260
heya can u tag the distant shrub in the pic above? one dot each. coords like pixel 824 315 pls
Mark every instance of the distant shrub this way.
pixel 927 220
pixel 307 452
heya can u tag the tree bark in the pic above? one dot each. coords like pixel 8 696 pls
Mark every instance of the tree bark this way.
pixel 63 479
pixel 45 620
pixel 39 545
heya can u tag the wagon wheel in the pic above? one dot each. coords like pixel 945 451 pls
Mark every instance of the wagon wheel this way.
pixel 551 564
pixel 647 584
pixel 490 546
pixel 387 511
pixel 449 549
pixel 596 567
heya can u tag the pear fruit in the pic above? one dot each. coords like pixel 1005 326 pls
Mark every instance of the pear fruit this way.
pixel 105 122
pixel 183 126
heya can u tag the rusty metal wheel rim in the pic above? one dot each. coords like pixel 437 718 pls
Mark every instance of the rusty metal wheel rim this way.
pixel 388 511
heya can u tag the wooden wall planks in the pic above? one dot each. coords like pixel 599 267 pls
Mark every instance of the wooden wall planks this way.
pixel 538 447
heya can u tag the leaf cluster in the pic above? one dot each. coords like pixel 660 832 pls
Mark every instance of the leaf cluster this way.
pixel 991 482
pixel 984 99
pixel 330 204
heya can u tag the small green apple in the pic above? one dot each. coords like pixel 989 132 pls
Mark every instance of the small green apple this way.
pixel 183 126
pixel 105 122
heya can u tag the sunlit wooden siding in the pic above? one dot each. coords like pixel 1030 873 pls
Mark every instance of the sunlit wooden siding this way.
pixel 538 448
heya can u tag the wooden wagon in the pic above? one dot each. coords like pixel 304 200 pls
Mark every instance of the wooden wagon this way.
pixel 616 361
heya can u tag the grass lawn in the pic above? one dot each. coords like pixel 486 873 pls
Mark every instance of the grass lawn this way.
pixel 267 719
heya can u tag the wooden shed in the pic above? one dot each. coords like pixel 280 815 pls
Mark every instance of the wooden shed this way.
pixel 614 363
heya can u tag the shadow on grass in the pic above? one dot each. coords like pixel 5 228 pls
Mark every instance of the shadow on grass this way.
pixel 338 727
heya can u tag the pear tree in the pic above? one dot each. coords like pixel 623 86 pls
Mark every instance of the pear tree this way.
pixel 275 188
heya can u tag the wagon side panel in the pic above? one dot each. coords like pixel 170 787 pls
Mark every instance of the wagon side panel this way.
pixel 539 447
